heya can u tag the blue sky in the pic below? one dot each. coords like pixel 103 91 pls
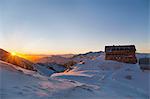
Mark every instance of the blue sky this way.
pixel 72 26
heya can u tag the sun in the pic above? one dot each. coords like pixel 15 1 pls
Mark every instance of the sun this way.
pixel 13 54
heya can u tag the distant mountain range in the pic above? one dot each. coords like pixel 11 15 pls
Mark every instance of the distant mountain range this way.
pixel 53 59
pixel 37 57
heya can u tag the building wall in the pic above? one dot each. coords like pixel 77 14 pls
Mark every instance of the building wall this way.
pixel 122 56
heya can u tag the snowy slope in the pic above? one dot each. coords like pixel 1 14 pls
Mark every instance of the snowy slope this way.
pixel 112 78
pixel 20 62
pixel 15 84
pixel 93 78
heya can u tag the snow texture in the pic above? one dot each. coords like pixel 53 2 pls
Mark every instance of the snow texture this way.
pixel 93 78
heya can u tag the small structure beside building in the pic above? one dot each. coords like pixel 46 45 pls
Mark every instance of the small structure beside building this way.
pixel 121 53
pixel 144 63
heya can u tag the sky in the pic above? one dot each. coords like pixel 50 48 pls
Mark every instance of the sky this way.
pixel 73 26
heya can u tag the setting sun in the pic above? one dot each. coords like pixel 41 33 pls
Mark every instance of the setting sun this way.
pixel 25 56
pixel 13 53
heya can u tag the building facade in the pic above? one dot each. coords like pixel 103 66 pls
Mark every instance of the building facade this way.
pixel 125 53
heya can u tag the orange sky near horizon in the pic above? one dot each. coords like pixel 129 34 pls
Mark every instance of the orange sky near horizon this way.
pixel 51 52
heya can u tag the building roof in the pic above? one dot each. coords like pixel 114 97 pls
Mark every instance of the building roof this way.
pixel 119 48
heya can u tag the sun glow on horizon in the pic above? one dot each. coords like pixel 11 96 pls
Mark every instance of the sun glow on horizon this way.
pixel 13 54
pixel 18 54
pixel 29 57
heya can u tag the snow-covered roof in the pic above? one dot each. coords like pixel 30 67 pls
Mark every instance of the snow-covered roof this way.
pixel 120 47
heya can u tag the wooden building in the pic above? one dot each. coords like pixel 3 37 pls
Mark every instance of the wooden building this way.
pixel 125 53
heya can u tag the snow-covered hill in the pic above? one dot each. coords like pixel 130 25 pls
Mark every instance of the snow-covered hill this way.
pixel 115 79
pixel 18 61
pixel 27 84
pixel 91 78
pixel 44 69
